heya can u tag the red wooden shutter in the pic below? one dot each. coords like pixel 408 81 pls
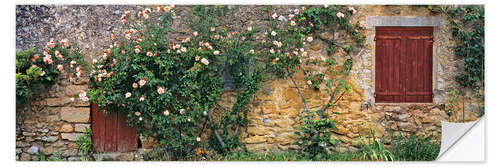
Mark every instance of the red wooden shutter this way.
pixel 110 132
pixel 403 61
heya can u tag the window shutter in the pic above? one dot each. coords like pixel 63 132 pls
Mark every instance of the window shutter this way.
pixel 387 66
pixel 403 64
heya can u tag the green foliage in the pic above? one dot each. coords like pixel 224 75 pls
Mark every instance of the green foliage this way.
pixel 84 143
pixel 182 82
pixel 35 73
pixel 43 157
pixel 374 149
pixel 284 53
pixel 315 137
pixel 449 105
pixel 467 27
pixel 414 148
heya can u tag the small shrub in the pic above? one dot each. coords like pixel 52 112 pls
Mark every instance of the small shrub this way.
pixel 84 144
pixel 314 137
pixel 374 150
pixel 415 148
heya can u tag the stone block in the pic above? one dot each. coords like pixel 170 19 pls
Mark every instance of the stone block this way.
pixel 257 130
pixel 71 136
pixel 81 127
pixel 73 114
pixel 255 139
pixel 56 102
pixel 67 128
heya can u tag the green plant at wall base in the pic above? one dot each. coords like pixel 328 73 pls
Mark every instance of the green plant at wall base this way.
pixel 84 143
pixel 449 105
pixel 374 149
pixel 37 71
pixel 315 137
pixel 414 148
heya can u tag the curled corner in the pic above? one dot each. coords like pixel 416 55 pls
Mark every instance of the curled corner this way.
pixel 451 132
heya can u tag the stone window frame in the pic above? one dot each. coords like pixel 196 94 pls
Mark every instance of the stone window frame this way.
pixel 403 21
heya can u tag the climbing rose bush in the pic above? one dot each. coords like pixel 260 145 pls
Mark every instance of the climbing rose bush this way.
pixel 166 89
pixel 37 71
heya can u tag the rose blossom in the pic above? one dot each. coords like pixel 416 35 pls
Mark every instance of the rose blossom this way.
pixel 43 73
pixel 149 54
pixel 166 112
pixel 309 39
pixel 249 28
pixel 183 49
pixel 195 33
pixel 60 67
pixel 160 90
pixel 273 33
pixel 134 85
pixel 340 15
pixel 142 82
pixel 204 61
pixel 142 98
pixel 64 43
pixel 309 82
pixel 362 24
pixel 197 58
pixel 271 51
pixel 198 139
pixel 137 113
pixel 216 52
pixel 350 8
pixel 128 94
pixel 212 29
pixel 292 23
pixel 181 111
pixel 274 15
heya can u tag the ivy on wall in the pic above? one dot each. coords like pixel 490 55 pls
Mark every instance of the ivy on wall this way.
pixel 467 26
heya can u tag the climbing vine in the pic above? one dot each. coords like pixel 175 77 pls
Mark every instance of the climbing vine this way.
pixel 37 71
pixel 467 27
pixel 284 51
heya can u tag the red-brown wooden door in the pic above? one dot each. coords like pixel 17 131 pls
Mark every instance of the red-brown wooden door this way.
pixel 403 64
pixel 110 132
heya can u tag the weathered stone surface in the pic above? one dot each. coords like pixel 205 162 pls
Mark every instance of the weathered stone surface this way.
pixel 70 136
pixel 33 150
pixel 72 114
pixel 286 138
pixel 55 102
pixel 81 127
pixel 67 128
pixel 255 139
pixel 257 130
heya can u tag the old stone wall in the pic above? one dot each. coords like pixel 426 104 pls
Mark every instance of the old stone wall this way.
pixel 54 122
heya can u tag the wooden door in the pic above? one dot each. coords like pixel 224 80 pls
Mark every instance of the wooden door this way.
pixel 403 64
pixel 110 132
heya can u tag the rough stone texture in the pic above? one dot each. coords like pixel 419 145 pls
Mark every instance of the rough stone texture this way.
pixel 71 136
pixel 53 122
pixel 72 114
pixel 81 127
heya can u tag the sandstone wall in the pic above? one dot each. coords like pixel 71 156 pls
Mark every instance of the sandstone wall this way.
pixel 55 121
